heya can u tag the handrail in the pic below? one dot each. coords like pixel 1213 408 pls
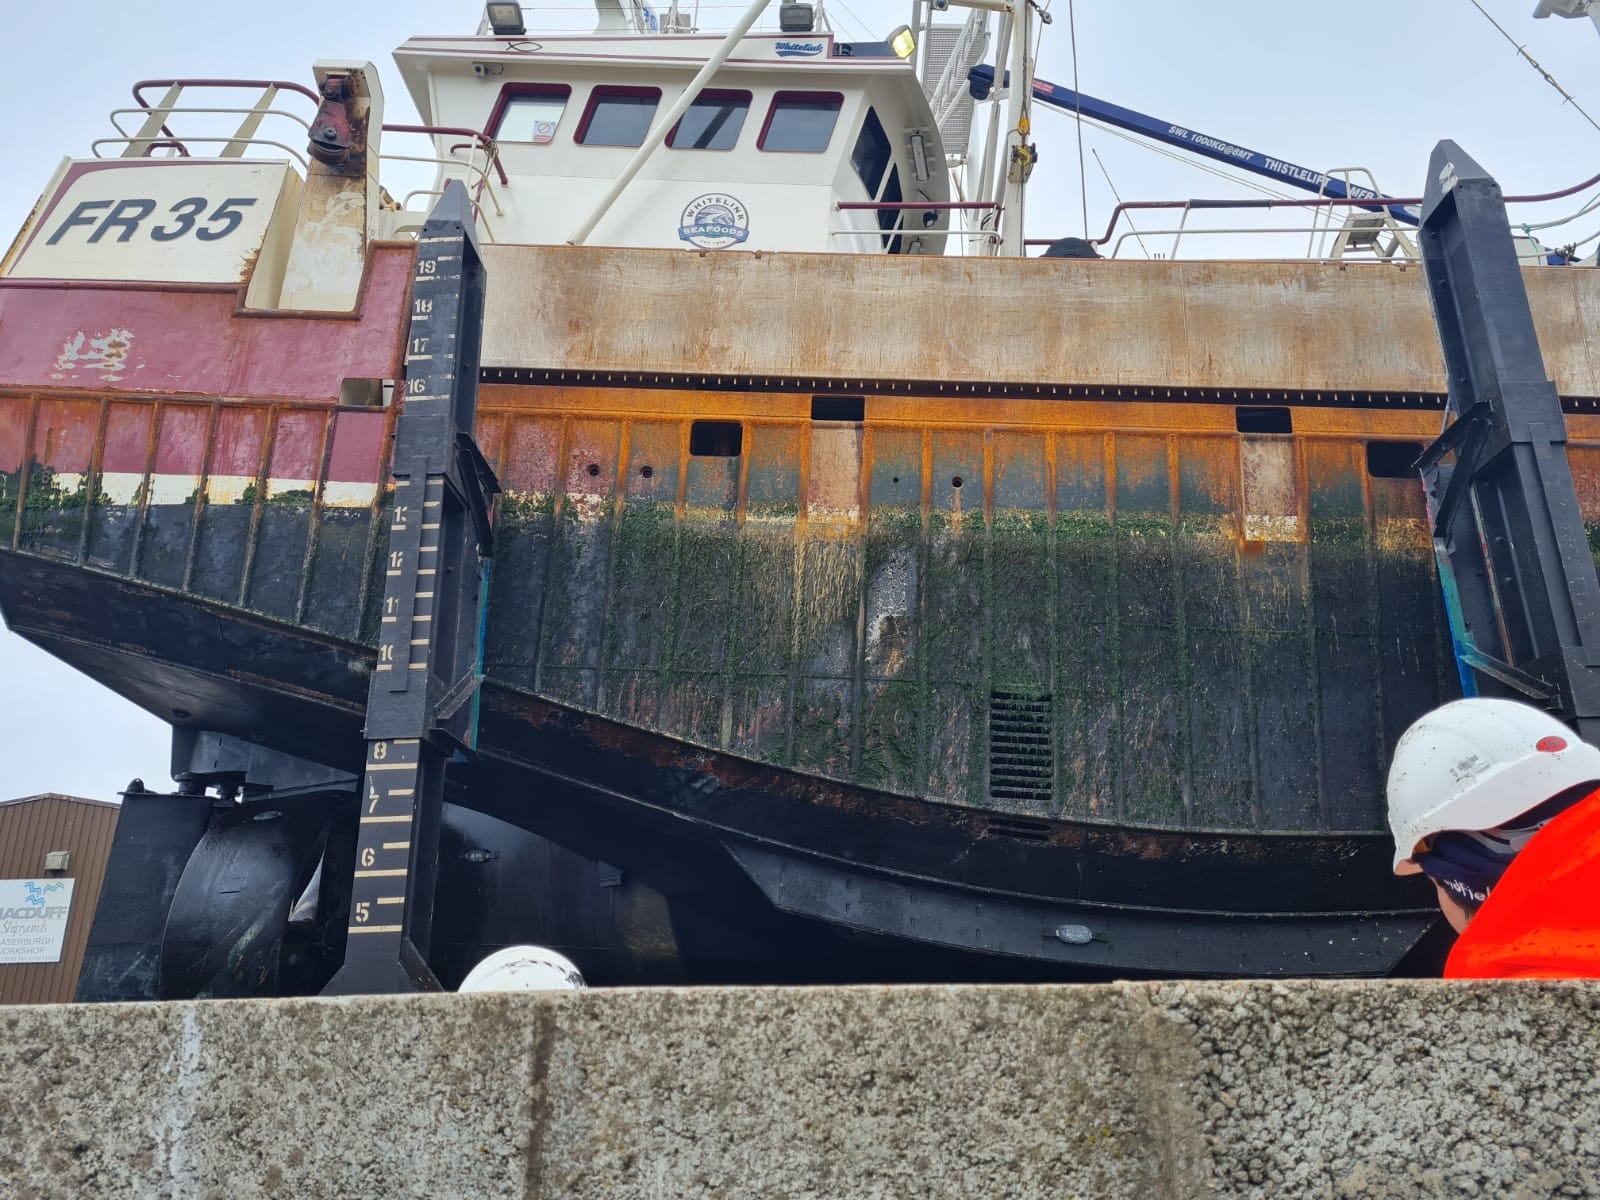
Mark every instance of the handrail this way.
pixel 481 140
pixel 262 84
pixel 183 149
pixel 1320 202
pixel 163 110
pixel 908 205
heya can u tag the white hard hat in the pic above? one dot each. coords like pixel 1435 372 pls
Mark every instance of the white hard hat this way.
pixel 524 969
pixel 1475 764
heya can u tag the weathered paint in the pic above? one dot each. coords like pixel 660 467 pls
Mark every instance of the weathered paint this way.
pixel 133 338
pixel 340 206
pixel 218 499
pixel 1001 326
pixel 831 599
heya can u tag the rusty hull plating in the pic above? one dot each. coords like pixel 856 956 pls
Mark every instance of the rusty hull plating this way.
pixel 1119 634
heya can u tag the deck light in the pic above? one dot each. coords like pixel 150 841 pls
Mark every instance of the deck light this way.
pixel 505 20
pixel 919 156
pixel 903 42
pixel 797 18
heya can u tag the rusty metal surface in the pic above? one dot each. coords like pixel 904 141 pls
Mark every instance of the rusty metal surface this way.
pixel 1113 612
pixel 1189 325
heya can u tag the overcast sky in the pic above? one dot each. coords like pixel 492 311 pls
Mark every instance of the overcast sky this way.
pixel 1371 83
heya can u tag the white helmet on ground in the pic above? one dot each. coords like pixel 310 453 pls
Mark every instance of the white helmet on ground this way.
pixel 524 969
pixel 1475 764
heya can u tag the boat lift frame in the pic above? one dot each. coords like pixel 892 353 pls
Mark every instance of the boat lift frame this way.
pixel 422 703
pixel 1514 558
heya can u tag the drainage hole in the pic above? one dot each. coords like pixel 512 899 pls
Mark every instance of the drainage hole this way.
pixel 955 481
pixel 646 472
pixel 594 469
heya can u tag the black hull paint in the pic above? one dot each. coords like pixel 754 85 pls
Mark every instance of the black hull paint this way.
pixel 944 891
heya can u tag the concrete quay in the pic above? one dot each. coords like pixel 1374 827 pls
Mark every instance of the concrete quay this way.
pixel 1140 1090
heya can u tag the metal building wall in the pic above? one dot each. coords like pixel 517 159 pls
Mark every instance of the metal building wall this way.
pixel 29 828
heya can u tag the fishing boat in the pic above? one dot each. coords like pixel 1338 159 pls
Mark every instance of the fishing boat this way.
pixel 801 582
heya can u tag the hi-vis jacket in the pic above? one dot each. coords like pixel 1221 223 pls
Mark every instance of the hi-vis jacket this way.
pixel 1542 920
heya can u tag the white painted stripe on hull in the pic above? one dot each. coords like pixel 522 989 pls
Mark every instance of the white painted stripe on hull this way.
pixel 228 489
pixel 173 489
pixel 348 495
pixel 121 487
pixel 277 487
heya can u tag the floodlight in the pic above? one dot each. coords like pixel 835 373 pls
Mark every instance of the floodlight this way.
pixel 903 42
pixel 797 18
pixel 505 20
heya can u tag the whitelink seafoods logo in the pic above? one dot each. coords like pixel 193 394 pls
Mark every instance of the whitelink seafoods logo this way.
pixel 798 49
pixel 714 222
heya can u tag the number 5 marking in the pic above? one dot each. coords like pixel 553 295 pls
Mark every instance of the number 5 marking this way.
pixel 227 214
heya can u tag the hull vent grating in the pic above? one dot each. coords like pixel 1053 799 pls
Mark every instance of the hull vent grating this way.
pixel 1021 749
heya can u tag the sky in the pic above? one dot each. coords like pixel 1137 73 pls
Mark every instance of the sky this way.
pixel 1371 83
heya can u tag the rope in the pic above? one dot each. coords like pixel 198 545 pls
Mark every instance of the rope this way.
pixel 1188 161
pixel 1548 78
pixel 1118 198
pixel 1083 175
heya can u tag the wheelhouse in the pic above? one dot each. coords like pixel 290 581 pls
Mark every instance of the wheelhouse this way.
pixel 790 128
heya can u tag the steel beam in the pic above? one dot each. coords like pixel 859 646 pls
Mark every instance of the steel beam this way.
pixel 421 707
pixel 1514 559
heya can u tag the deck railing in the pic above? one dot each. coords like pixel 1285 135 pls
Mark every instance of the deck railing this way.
pixel 273 122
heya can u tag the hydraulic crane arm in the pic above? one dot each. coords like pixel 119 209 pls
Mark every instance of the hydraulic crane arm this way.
pixel 981 82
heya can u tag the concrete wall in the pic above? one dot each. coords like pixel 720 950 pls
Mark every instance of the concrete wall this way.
pixel 1144 1091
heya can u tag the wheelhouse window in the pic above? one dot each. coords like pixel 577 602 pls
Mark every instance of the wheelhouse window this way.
pixel 800 122
pixel 712 122
pixel 618 116
pixel 871 156
pixel 531 112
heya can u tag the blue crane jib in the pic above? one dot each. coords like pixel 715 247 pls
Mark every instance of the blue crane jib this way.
pixel 981 83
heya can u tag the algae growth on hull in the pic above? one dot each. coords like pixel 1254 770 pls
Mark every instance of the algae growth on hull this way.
pixel 1150 626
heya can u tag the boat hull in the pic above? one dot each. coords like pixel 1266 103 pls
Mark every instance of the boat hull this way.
pixel 1077 673
pixel 746 844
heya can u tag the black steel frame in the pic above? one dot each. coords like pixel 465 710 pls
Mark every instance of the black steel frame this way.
pixel 1514 558
pixel 422 703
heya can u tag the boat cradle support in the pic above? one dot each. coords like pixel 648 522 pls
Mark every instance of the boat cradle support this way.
pixel 1514 557
pixel 422 701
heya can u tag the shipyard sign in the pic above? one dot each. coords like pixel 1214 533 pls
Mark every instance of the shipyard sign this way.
pixel 33 919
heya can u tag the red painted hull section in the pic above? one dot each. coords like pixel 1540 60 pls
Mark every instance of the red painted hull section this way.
pixel 197 340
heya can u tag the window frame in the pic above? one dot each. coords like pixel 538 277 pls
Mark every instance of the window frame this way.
pixel 871 119
pixel 513 91
pixel 609 91
pixel 715 94
pixel 772 108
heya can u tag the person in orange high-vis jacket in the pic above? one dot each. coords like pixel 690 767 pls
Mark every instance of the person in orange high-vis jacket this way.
pixel 1498 804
